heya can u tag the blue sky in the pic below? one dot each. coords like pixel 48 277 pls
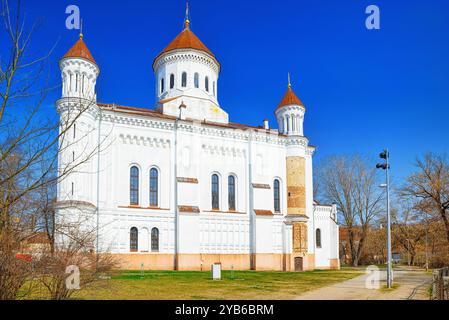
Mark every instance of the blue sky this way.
pixel 363 90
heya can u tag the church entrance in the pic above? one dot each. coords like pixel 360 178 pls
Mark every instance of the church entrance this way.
pixel 298 264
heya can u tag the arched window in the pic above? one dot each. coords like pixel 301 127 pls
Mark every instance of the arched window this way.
pixel 172 81
pixel 154 175
pixel 155 240
pixel 184 79
pixel 196 80
pixel 231 193
pixel 134 186
pixel 133 239
pixel 162 85
pixel 206 84
pixel 213 87
pixel 76 82
pixel 215 192
pixel 277 195
pixel 318 238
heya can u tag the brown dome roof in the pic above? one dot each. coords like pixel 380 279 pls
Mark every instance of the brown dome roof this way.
pixel 289 99
pixel 186 40
pixel 80 50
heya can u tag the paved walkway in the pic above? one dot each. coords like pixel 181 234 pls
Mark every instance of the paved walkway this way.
pixel 413 284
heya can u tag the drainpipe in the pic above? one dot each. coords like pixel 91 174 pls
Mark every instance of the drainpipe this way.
pixel 98 178
pixel 252 217
pixel 176 257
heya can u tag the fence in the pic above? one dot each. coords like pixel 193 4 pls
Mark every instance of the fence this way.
pixel 440 286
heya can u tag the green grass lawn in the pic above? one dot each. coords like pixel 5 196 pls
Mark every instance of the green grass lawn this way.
pixel 166 285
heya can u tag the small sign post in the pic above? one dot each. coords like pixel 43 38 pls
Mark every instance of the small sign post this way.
pixel 216 271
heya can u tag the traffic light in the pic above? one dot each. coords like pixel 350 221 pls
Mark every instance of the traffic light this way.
pixel 384 154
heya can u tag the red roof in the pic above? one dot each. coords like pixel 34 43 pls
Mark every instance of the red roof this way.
pixel 186 40
pixel 289 98
pixel 80 50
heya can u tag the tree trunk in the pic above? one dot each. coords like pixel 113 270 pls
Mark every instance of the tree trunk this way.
pixel 445 221
pixel 352 247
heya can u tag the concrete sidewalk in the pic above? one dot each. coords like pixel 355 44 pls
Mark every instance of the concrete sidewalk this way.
pixel 412 285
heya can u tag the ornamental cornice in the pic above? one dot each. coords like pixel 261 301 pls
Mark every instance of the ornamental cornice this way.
pixel 297 141
pixel 144 141
pixel 79 105
pixel 77 62
pixel 200 129
pixel 291 107
pixel 182 55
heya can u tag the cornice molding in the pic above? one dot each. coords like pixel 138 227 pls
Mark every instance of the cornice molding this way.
pixel 192 55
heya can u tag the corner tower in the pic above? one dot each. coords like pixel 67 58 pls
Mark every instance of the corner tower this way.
pixel 78 113
pixel 187 71
pixel 299 179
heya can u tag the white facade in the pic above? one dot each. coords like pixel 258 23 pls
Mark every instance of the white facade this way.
pixel 181 223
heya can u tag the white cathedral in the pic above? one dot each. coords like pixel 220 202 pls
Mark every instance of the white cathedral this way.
pixel 181 187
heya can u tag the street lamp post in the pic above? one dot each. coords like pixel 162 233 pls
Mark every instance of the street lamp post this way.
pixel 386 166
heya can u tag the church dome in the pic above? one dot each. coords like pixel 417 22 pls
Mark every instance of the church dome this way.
pixel 187 40
pixel 290 98
pixel 80 50
pixel 290 113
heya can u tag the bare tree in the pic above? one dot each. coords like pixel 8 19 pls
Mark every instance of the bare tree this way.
pixel 30 139
pixel 351 184
pixel 429 185
pixel 408 231
pixel 75 248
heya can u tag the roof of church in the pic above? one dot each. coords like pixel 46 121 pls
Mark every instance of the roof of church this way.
pixel 80 50
pixel 187 40
pixel 158 114
pixel 289 98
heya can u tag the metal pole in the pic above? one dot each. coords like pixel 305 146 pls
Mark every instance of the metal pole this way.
pixel 427 239
pixel 389 270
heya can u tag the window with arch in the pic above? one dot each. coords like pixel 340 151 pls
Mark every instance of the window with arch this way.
pixel 162 85
pixel 277 195
pixel 184 79
pixel 154 240
pixel 196 80
pixel 213 88
pixel 133 239
pixel 231 193
pixel 134 186
pixel 318 238
pixel 154 177
pixel 206 84
pixel 215 192
pixel 172 81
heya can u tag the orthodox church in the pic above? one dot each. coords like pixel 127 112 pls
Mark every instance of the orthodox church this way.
pixel 179 186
